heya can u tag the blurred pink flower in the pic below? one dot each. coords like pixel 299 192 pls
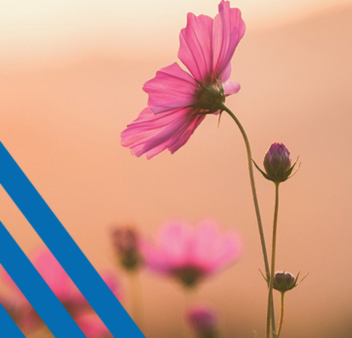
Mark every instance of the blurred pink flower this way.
pixel 60 283
pixel 17 305
pixel 203 321
pixel 178 102
pixel 56 278
pixel 191 254
pixel 92 326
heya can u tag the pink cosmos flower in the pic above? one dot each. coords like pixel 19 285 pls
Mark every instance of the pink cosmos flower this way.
pixel 191 254
pixel 178 102
pixel 61 285
pixel 203 321
pixel 92 326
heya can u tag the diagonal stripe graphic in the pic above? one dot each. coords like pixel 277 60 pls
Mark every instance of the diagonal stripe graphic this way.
pixel 33 287
pixel 65 250
pixel 8 326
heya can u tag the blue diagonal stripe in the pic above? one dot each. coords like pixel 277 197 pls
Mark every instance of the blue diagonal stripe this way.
pixel 33 287
pixel 63 247
pixel 8 327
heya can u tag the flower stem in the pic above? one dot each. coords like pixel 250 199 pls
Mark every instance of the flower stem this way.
pixel 135 297
pixel 256 204
pixel 254 192
pixel 281 315
pixel 189 296
pixel 273 256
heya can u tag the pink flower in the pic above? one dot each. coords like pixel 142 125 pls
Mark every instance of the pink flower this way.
pixel 191 254
pixel 61 285
pixel 92 326
pixel 203 321
pixel 178 102
pixel 56 277
pixel 17 305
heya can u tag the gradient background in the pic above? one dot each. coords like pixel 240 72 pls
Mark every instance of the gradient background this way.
pixel 71 79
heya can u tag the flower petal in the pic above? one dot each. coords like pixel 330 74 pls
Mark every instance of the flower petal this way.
pixel 231 88
pixel 228 30
pixel 203 248
pixel 154 258
pixel 228 251
pixel 173 242
pixel 91 325
pixel 53 274
pixel 171 88
pixel 196 46
pixel 151 133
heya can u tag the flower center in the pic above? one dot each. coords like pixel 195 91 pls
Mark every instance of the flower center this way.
pixel 188 275
pixel 210 97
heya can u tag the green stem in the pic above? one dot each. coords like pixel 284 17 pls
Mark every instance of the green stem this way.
pixel 281 315
pixel 254 192
pixel 256 204
pixel 136 297
pixel 273 256
pixel 189 297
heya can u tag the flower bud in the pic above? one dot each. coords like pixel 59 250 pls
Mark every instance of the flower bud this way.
pixel 277 162
pixel 126 245
pixel 204 321
pixel 284 281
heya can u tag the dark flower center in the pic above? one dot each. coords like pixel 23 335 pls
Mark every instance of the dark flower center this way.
pixel 210 98
pixel 189 276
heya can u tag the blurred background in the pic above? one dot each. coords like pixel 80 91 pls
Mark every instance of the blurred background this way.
pixel 71 80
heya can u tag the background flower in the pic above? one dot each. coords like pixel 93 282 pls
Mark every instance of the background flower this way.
pixel 203 321
pixel 191 254
pixel 61 285
pixel 92 326
pixel 126 243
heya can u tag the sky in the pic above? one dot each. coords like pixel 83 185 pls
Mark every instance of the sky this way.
pixel 38 28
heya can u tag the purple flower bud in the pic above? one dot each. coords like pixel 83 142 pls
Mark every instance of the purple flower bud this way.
pixel 277 163
pixel 203 320
pixel 284 281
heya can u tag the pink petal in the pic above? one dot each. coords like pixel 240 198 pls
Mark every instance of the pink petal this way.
pixel 13 298
pixel 53 274
pixel 153 258
pixel 152 133
pixel 202 243
pixel 228 251
pixel 170 251
pixel 228 30
pixel 171 88
pixel 92 326
pixel 204 247
pixel 110 280
pixel 173 241
pixel 231 88
pixel 196 46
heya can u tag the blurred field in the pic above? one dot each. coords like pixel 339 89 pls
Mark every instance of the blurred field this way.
pixel 61 121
